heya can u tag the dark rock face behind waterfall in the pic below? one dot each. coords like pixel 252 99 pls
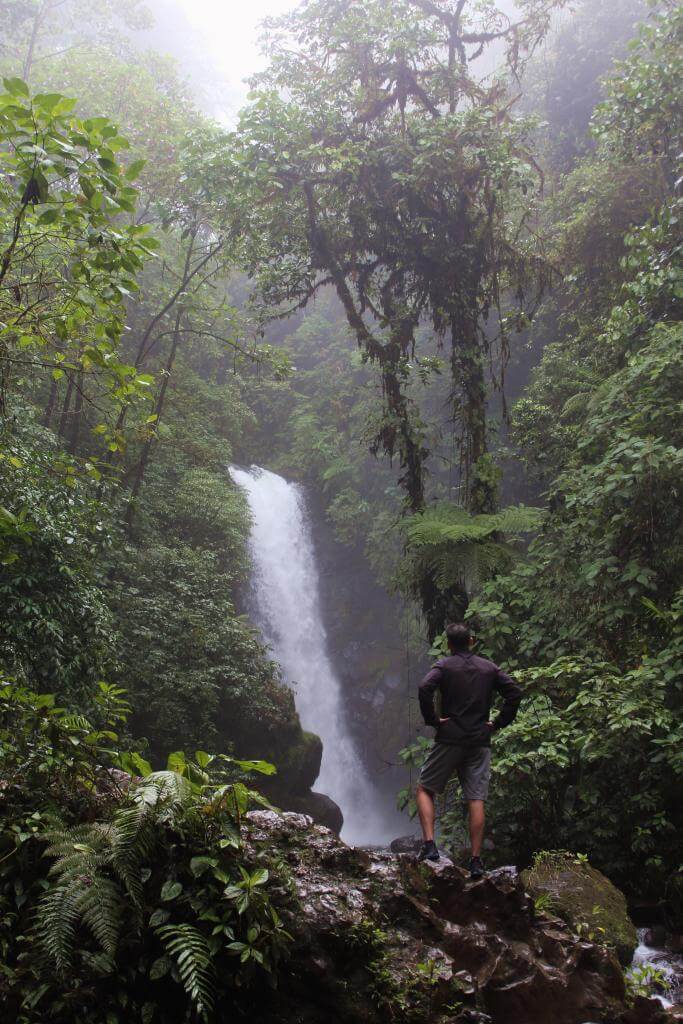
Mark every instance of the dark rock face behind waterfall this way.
pixel 379 938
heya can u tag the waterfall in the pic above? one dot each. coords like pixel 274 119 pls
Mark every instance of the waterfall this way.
pixel 286 607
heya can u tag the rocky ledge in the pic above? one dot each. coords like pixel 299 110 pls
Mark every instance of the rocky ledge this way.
pixel 381 938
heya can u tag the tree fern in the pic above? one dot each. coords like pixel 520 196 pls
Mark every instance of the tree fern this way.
pixel 190 950
pixel 445 523
pixel 451 547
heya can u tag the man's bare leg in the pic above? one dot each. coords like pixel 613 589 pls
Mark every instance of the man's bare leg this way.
pixel 477 818
pixel 425 809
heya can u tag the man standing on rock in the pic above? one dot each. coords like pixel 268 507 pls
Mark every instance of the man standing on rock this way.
pixel 462 743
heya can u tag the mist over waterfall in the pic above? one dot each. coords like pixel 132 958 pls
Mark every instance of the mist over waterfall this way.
pixel 286 607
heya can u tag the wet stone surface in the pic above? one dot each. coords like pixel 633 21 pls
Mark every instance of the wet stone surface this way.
pixel 381 938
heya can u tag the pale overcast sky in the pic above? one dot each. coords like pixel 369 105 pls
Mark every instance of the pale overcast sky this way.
pixel 229 31
pixel 216 42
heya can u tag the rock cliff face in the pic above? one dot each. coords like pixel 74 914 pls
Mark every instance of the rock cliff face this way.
pixel 379 938
pixel 363 633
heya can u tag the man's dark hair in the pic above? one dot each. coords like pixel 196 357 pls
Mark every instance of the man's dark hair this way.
pixel 458 636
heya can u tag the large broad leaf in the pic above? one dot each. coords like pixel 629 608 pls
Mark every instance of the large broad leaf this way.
pixel 134 169
pixel 16 86
pixel 171 891
pixel 177 762
pixel 47 100
pixel 198 865
pixel 262 767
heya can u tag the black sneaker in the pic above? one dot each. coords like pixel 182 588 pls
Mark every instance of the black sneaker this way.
pixel 477 869
pixel 428 851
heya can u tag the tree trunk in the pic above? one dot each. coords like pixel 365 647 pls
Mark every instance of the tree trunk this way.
pixel 401 435
pixel 144 345
pixel 64 418
pixel 51 402
pixel 37 19
pixel 158 410
pixel 467 366
pixel 77 415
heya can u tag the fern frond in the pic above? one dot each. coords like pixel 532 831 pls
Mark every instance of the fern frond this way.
pixel 58 915
pixel 446 544
pixel 578 403
pixel 101 908
pixel 76 722
pixel 443 523
pixel 469 564
pixel 166 789
pixel 99 963
pixel 133 843
pixel 83 892
pixel 62 841
pixel 191 952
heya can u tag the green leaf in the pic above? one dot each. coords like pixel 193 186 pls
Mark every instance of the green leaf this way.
pixel 47 100
pixel 171 891
pixel 49 216
pixel 177 762
pixel 159 917
pixel 262 767
pixel 141 766
pixel 198 865
pixel 16 86
pixel 160 968
pixel 87 187
pixel 133 170
pixel 96 124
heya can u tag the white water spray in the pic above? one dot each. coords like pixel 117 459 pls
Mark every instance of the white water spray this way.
pixel 286 607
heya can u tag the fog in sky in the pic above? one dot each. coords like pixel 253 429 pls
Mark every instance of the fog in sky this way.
pixel 216 43
pixel 225 38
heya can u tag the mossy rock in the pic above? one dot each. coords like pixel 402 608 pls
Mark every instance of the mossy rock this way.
pixel 299 765
pixel 583 897
pixel 320 807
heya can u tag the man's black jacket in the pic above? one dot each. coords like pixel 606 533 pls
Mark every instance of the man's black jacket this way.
pixel 468 684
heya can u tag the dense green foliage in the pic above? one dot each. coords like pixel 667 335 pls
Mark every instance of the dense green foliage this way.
pixel 591 617
pixel 123 900
pixel 56 633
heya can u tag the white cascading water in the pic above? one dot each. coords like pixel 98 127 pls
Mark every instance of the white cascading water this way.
pixel 286 607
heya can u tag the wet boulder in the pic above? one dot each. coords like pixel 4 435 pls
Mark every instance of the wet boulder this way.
pixel 585 898
pixel 321 808
pixel 300 766
pixel 378 937
pixel 290 788
pixel 406 844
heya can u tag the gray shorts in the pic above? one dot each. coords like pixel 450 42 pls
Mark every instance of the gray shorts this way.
pixel 473 765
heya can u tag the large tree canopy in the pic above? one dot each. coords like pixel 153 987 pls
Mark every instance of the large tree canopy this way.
pixel 381 162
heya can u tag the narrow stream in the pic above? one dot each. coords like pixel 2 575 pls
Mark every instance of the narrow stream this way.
pixel 664 961
pixel 285 604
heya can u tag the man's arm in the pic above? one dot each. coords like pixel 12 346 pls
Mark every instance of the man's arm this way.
pixel 426 691
pixel 512 695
